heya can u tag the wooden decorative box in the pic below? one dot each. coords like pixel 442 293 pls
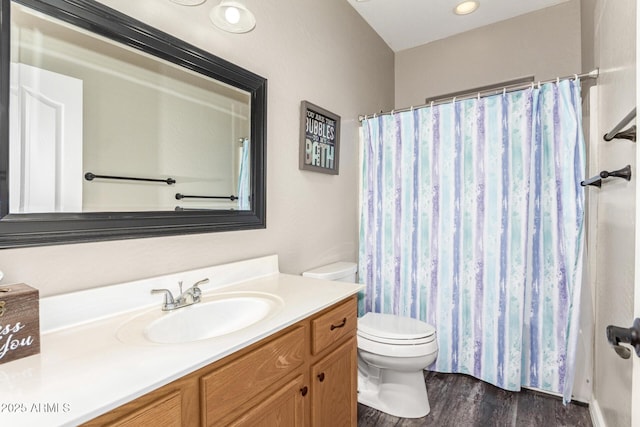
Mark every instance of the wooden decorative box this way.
pixel 19 322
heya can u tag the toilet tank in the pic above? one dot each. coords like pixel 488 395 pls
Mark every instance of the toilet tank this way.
pixel 342 271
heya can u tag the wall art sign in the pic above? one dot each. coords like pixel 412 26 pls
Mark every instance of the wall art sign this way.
pixel 19 322
pixel 319 139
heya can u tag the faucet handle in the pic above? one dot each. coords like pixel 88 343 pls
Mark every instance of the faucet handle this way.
pixel 169 302
pixel 195 290
pixel 196 285
pixel 201 282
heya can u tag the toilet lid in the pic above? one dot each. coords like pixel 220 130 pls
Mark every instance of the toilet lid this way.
pixel 388 328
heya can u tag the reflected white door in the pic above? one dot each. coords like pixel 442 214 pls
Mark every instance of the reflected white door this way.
pixel 45 144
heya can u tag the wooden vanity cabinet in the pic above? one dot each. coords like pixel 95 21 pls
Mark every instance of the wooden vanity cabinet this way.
pixel 303 375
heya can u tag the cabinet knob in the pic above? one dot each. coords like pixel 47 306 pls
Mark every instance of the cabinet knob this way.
pixel 339 325
pixel 321 376
pixel 304 390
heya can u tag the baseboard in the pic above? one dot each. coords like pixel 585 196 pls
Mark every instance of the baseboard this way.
pixel 594 407
pixel 596 414
pixel 574 400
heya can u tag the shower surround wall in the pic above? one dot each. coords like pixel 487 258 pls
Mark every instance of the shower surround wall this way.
pixel 609 43
pixel 323 52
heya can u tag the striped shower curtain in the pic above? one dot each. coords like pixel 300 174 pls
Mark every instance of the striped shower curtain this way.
pixel 472 220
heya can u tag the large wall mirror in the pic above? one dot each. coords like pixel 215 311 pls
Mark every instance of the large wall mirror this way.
pixel 112 129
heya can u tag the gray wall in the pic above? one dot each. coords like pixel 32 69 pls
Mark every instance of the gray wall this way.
pixel 545 44
pixel 322 52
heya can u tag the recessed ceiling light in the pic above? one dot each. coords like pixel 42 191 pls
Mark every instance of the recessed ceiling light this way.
pixel 189 2
pixel 466 7
pixel 232 16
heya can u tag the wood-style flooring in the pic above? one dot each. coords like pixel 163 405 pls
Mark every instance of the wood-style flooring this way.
pixel 463 401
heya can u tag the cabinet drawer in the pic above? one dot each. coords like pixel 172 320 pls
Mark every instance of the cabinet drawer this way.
pixel 175 404
pixel 166 412
pixel 227 388
pixel 334 325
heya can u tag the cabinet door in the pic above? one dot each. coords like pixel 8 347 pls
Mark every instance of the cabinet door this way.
pixel 284 408
pixel 228 390
pixel 334 388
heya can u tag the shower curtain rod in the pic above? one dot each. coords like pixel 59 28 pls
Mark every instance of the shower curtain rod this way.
pixel 591 74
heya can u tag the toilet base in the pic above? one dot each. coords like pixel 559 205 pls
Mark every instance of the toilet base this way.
pixel 401 394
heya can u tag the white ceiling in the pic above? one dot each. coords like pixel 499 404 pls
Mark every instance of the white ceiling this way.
pixel 404 24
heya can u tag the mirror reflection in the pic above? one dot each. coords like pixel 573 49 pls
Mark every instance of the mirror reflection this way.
pixel 96 126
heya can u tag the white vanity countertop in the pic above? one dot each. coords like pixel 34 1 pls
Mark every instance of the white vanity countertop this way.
pixel 83 369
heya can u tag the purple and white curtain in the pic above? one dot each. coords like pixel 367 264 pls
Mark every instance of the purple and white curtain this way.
pixel 472 220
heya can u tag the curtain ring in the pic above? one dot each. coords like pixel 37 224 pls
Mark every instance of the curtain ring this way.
pixel 504 91
pixel 533 85
pixel 393 112
pixel 558 80
pixel 431 104
pixel 454 100
pixel 478 96
pixel 575 77
pixel 538 84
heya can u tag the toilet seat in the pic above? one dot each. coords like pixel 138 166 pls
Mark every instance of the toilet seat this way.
pixel 396 330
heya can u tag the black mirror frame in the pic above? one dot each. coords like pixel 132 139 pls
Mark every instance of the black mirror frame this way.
pixel 20 230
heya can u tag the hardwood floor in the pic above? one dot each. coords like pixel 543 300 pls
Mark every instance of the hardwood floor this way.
pixel 463 401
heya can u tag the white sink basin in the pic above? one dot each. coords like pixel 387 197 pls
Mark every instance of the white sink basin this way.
pixel 214 316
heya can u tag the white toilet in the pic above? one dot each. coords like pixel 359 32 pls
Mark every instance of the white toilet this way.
pixel 393 351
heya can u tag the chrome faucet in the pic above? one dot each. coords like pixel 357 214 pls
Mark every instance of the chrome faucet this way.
pixel 186 298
